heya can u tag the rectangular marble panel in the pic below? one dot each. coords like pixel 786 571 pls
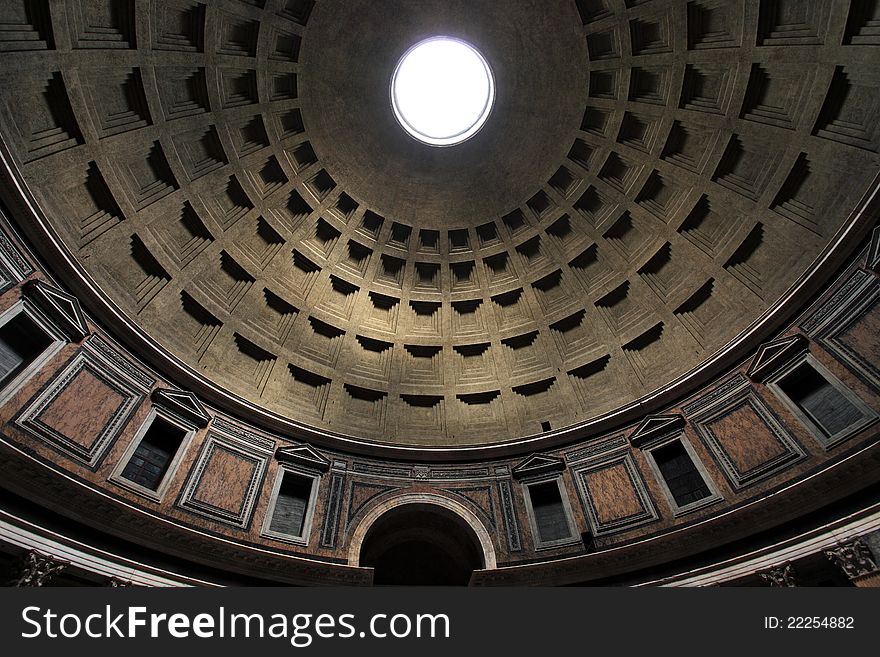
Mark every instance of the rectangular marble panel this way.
pixel 224 482
pixel 613 493
pixel 748 441
pixel 83 409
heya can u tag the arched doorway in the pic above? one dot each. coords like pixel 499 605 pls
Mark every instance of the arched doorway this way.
pixel 421 545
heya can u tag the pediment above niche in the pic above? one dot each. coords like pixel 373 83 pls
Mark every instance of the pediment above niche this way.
pixel 538 464
pixel 61 307
pixel 303 455
pixel 183 403
pixel 773 355
pixel 654 426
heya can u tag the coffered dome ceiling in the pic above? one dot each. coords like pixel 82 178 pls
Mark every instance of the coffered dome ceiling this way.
pixel 653 180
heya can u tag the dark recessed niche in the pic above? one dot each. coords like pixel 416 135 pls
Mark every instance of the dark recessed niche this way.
pixel 496 266
pixel 303 264
pixel 346 206
pixel 104 25
pixel 180 28
pixel 306 377
pixel 238 87
pixel 541 205
pixel 587 257
pixel 248 348
pixel 463 274
pixel 479 398
pixel 303 156
pixel 429 240
pixel 603 44
pixel 283 86
pixel 424 308
pixel 594 121
pixel 238 36
pixel 615 297
pixel 400 235
pixel 382 302
pixel 269 178
pixel 372 223
pixel 325 236
pixel 646 339
pixel 321 185
pixel 564 182
pixel 287 45
pixel 358 257
pixel 297 208
pixel 421 401
pixel 391 270
pixel 592 368
pixel 28 26
pixel 364 394
pixel 515 221
pixel 251 136
pixel 530 249
pixel 651 35
pixel 603 84
pixel 297 10
pixel 592 10
pixel 561 228
pixel 581 153
pixel 459 240
pixel 427 275
pixel 747 248
pixel 658 261
pixel 508 299
pixel 290 123
pixel 697 299
pixel 549 282
pixel 649 84
pixel 487 234
pixel 536 388
pixel 472 350
pixel 862 23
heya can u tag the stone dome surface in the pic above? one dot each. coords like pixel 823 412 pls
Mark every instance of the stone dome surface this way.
pixel 235 196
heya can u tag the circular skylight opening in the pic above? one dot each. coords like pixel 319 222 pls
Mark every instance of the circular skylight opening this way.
pixel 442 91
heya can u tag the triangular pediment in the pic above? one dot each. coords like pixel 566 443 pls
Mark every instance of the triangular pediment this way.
pixel 183 403
pixel 61 307
pixel 654 426
pixel 538 464
pixel 773 355
pixel 304 455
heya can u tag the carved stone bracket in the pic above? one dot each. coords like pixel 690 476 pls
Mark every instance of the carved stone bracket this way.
pixel 854 558
pixel 780 576
pixel 38 570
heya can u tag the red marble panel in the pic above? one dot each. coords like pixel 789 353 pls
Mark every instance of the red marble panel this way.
pixel 225 480
pixel 747 439
pixel 613 495
pixel 82 409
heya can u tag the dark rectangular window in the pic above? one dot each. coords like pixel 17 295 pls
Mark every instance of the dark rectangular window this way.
pixel 819 400
pixel 549 512
pixel 153 456
pixel 21 341
pixel 682 478
pixel 291 505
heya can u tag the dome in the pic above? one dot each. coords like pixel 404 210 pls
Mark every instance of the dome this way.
pixel 648 191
